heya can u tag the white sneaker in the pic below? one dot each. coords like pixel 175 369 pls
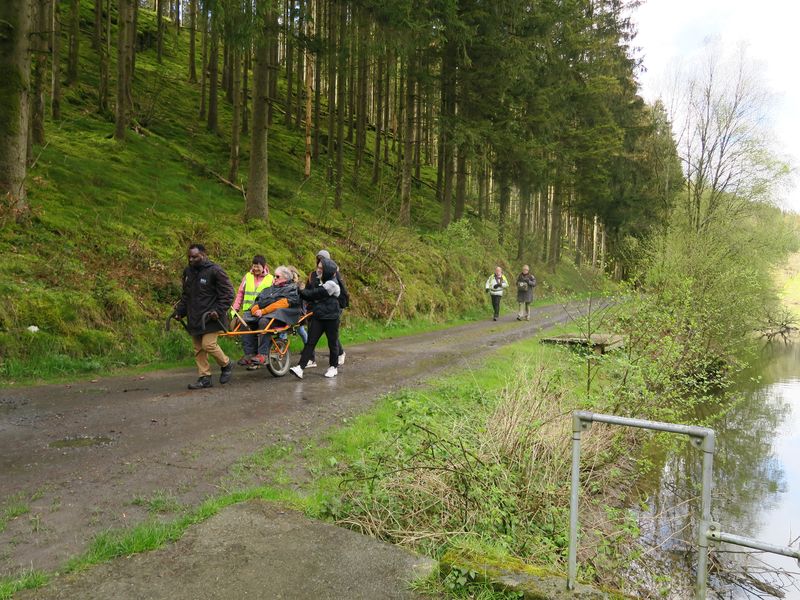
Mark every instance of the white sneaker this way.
pixel 341 358
pixel 297 371
pixel 311 365
pixel 331 372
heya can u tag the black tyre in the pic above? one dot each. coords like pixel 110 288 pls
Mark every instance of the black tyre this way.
pixel 279 364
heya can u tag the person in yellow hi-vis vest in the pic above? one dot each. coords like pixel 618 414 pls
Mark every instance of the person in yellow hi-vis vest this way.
pixel 495 286
pixel 253 282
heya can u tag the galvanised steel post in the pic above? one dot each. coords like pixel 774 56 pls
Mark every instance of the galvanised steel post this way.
pixel 578 425
pixel 707 446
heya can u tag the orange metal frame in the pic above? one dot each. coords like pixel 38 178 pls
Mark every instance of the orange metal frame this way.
pixel 241 328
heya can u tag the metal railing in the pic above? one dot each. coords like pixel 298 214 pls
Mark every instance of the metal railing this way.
pixel 701 437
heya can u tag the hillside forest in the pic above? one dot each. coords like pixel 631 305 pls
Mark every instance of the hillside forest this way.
pixel 423 141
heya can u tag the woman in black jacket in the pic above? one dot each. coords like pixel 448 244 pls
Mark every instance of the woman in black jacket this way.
pixel 322 296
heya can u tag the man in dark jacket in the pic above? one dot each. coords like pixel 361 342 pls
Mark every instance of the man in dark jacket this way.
pixel 323 301
pixel 207 295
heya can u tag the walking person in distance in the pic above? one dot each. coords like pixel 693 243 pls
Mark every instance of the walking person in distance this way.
pixel 525 284
pixel 495 285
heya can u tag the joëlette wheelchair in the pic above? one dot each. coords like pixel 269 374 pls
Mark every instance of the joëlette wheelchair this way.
pixel 279 358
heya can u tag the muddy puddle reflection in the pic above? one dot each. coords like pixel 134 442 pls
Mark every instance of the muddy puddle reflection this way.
pixel 756 491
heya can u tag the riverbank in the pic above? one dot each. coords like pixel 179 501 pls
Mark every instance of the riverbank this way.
pixel 756 486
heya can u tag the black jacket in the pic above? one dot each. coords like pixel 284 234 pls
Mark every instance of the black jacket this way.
pixel 205 288
pixel 273 294
pixel 324 306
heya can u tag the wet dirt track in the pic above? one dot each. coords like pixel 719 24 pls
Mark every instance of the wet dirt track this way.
pixel 78 456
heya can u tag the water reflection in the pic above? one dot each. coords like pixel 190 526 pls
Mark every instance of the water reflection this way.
pixel 756 484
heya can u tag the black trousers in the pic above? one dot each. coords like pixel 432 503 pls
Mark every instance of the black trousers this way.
pixel 496 305
pixel 339 352
pixel 315 330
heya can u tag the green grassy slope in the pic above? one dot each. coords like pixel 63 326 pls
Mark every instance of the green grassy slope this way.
pixel 97 266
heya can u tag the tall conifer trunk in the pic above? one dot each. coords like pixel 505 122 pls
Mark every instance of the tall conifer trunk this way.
pixel 300 70
pixel 351 76
pixel 505 198
pixel 308 92
pixel 418 118
pixel 14 102
pixel 341 108
pixel 461 182
pixel 233 173
pixel 579 240
pixel 39 43
pixel 554 254
pixel 288 36
pixel 97 33
pixel 387 104
pixel 318 25
pixel 226 59
pixel 245 91
pixel 176 17
pixel 132 43
pixel 481 186
pixel 448 118
pixel 408 144
pixel 361 98
pixel 74 41
pixel 257 202
pixel 332 21
pixel 273 74
pixel 159 29
pixel 203 60
pixel 213 75
pixel 544 220
pixel 192 41
pixel 124 35
pixel 376 162
pixel 524 216
pixel 55 45
pixel 103 51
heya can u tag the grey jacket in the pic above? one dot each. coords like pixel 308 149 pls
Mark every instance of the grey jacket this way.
pixel 525 285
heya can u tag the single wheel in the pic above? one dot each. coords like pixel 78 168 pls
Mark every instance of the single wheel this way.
pixel 278 363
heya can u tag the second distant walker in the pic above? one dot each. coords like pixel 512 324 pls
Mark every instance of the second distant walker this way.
pixel 525 284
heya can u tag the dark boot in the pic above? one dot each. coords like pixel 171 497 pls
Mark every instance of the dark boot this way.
pixel 202 382
pixel 226 373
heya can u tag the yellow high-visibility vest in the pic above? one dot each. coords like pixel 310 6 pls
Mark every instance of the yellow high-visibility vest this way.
pixel 251 292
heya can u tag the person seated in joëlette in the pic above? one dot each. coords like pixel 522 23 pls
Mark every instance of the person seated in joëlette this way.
pixel 279 303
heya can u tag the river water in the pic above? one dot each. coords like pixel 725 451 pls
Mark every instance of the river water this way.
pixel 756 487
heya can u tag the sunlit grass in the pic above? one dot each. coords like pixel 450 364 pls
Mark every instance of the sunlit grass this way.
pixel 27 580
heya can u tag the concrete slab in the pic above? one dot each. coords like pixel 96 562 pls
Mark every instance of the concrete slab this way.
pixel 253 550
